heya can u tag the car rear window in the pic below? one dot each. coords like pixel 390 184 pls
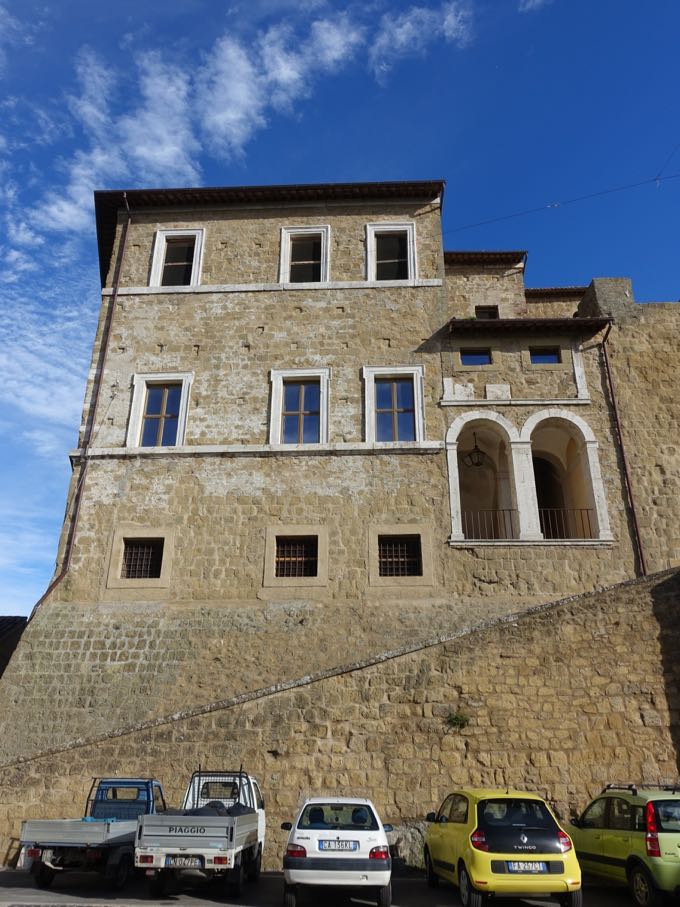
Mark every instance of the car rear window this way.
pixel 668 814
pixel 510 812
pixel 344 816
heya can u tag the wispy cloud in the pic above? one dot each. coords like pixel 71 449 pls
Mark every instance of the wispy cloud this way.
pixel 528 6
pixel 12 32
pixel 410 33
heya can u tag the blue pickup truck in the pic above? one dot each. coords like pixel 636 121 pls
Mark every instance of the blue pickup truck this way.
pixel 102 841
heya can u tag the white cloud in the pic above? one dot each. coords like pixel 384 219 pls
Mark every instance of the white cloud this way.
pixel 12 32
pixel 528 6
pixel 410 33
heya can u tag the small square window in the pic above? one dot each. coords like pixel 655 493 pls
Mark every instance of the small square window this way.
pixel 142 558
pixel 304 255
pixel 475 357
pixel 395 418
pixel 297 555
pixel 486 312
pixel 177 258
pixel 545 355
pixel 399 555
pixel 301 412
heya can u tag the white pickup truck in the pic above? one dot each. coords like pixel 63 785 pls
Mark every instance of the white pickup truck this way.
pixel 219 832
pixel 102 841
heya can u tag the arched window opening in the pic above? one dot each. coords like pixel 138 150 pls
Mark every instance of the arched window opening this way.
pixel 487 498
pixel 564 492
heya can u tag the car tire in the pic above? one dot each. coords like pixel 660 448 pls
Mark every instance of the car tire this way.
pixel 117 876
pixel 573 899
pixel 235 879
pixel 430 875
pixel 385 895
pixel 289 896
pixel 642 887
pixel 44 876
pixel 254 867
pixel 469 896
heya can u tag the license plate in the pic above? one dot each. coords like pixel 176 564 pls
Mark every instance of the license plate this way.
pixel 524 866
pixel 183 862
pixel 338 845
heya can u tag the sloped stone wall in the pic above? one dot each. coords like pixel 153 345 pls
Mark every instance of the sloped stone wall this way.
pixel 561 700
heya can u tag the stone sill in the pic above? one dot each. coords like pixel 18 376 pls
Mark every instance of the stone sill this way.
pixel 273 287
pixel 260 450
pixel 523 543
pixel 472 402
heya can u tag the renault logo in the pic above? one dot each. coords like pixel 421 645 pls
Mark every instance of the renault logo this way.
pixel 523 838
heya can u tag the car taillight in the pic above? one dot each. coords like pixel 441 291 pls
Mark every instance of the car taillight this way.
pixel 221 861
pixel 478 840
pixel 652 836
pixel 565 841
pixel 294 850
pixel 34 853
pixel 145 858
pixel 379 853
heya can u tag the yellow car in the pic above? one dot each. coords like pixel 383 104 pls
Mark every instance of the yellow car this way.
pixel 501 842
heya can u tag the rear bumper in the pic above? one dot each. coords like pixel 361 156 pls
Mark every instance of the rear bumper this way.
pixel 329 871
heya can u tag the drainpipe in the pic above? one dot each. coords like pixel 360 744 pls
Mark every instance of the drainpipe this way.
pixel 108 325
pixel 626 470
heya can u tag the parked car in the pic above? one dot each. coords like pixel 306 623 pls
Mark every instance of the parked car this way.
pixel 631 835
pixel 501 842
pixel 337 841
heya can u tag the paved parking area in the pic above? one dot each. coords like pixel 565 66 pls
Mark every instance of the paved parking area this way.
pixel 17 888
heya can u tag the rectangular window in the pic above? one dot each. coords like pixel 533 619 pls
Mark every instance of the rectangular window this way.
pixel 161 415
pixel 142 558
pixel 296 555
pixel 399 555
pixel 475 357
pixel 486 312
pixel 177 257
pixel 304 254
pixel 301 412
pixel 391 251
pixel 394 409
pixel 545 355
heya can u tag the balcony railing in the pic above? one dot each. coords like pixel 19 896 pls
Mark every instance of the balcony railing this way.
pixel 489 524
pixel 561 523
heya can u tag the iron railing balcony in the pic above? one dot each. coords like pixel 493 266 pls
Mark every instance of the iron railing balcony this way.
pixel 489 524
pixel 566 523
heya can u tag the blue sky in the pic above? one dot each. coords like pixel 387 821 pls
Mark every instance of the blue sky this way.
pixel 518 104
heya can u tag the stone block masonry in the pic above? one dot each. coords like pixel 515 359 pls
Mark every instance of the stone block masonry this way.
pixel 560 699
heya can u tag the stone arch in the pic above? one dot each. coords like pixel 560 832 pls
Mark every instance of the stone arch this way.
pixel 555 412
pixel 481 415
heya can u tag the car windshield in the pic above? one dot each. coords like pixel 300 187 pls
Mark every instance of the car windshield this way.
pixel 509 812
pixel 668 812
pixel 343 816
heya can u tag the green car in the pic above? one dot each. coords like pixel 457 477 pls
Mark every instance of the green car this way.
pixel 631 835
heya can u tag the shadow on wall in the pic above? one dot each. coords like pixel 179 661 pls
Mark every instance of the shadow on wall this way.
pixel 11 629
pixel 666 605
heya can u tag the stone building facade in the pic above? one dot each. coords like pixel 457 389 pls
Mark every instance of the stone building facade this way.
pixel 313 438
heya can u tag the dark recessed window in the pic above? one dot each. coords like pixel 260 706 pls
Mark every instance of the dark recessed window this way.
pixel 400 555
pixel 545 355
pixel 475 357
pixel 142 558
pixel 395 418
pixel 391 256
pixel 297 555
pixel 486 312
pixel 301 418
pixel 179 261
pixel 305 258
pixel 161 415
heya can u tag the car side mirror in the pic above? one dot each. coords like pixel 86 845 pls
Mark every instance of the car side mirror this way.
pixel 387 827
pixel 286 826
pixel 430 817
pixel 575 821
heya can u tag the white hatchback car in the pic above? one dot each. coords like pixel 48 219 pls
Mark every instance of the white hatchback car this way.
pixel 337 841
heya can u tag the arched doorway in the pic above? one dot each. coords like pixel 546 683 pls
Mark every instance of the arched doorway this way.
pixel 563 483
pixel 487 499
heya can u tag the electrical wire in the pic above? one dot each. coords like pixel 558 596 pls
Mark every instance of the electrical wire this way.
pixel 572 201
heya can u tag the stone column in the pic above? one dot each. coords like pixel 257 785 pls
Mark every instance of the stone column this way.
pixel 525 491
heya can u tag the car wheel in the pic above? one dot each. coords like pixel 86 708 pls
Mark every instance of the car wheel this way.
pixel 469 896
pixel 44 876
pixel 235 879
pixel 385 895
pixel 118 875
pixel 289 896
pixel 573 899
pixel 432 878
pixel 255 866
pixel 642 887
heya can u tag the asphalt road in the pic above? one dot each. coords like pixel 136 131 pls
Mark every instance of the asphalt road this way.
pixel 18 888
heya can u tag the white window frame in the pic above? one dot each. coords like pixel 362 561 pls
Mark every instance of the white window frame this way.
pixel 289 233
pixel 158 260
pixel 140 383
pixel 372 230
pixel 277 378
pixel 417 375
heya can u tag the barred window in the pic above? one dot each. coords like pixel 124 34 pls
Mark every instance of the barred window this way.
pixel 142 558
pixel 400 555
pixel 297 555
